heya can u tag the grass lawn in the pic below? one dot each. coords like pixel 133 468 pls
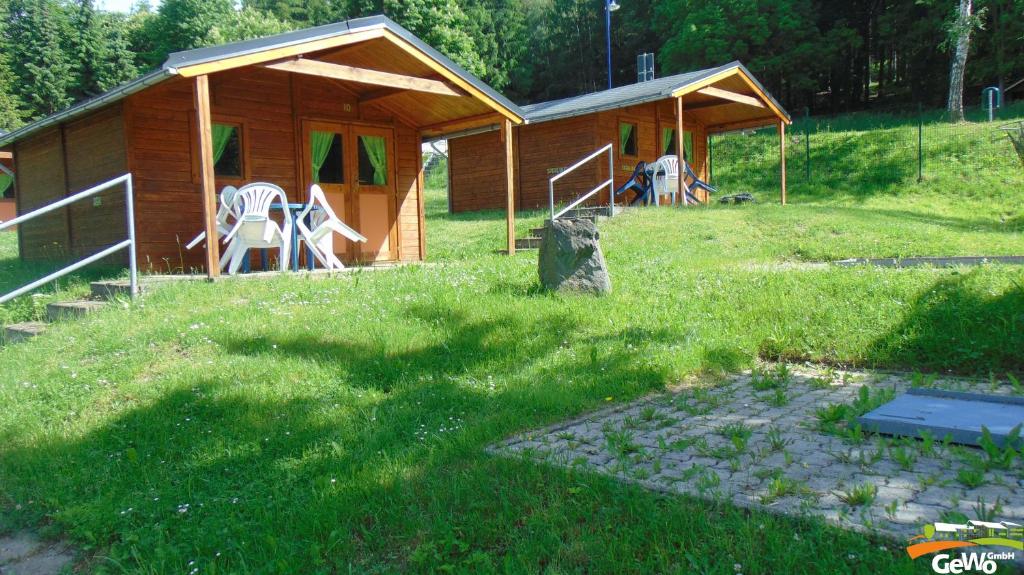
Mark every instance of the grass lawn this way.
pixel 339 425
pixel 15 274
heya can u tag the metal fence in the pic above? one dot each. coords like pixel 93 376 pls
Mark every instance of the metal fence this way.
pixel 866 151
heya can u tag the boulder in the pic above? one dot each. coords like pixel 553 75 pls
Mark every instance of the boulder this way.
pixel 571 259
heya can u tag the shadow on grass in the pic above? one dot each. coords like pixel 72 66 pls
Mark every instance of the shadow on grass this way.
pixel 1011 226
pixel 236 472
pixel 224 466
pixel 958 324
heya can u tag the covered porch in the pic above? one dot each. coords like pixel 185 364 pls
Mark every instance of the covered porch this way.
pixel 343 106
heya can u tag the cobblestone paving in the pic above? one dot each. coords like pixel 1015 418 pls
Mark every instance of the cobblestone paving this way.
pixel 764 440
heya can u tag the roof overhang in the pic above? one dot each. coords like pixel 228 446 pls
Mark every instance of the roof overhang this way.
pixel 214 59
pixel 699 87
pixel 737 70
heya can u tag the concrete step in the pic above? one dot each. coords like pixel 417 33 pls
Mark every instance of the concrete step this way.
pixel 19 332
pixel 111 289
pixel 537 232
pixel 527 243
pixel 72 309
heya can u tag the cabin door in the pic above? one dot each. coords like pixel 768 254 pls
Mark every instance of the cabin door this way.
pixel 355 167
pixel 325 157
pixel 373 166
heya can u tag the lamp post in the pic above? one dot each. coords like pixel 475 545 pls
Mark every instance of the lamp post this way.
pixel 609 7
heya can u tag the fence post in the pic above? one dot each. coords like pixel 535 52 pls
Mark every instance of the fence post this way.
pixel 920 144
pixel 807 141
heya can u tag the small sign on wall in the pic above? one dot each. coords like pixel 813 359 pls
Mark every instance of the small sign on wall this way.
pixel 555 171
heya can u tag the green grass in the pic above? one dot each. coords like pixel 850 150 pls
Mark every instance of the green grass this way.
pixel 340 425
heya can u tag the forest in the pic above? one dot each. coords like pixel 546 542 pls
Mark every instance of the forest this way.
pixel 830 56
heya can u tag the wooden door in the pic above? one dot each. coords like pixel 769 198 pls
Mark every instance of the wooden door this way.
pixel 328 144
pixel 372 158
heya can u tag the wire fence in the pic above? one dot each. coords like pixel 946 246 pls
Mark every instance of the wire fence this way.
pixel 870 152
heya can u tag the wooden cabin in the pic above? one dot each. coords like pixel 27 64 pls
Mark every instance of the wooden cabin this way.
pixel 642 121
pixel 344 105
pixel 8 209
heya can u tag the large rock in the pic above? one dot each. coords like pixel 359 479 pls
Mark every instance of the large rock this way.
pixel 571 258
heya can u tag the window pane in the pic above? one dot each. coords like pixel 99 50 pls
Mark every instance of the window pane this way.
pixel 333 169
pixel 627 139
pixel 229 164
pixel 6 186
pixel 669 140
pixel 373 161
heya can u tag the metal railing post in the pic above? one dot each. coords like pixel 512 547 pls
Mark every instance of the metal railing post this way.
pixel 551 197
pixel 611 186
pixel 610 182
pixel 133 270
pixel 128 244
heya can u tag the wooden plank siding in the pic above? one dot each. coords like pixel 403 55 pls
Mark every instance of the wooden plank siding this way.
pixel 269 105
pixel 41 181
pixel 476 163
pixel 94 149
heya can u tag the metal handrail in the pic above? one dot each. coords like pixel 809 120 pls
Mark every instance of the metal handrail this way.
pixel 610 182
pixel 128 243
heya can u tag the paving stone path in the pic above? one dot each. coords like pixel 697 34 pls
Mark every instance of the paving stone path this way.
pixel 776 440
pixel 26 554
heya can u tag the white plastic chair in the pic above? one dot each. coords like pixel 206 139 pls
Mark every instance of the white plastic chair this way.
pixel 255 229
pixel 666 178
pixel 225 213
pixel 319 234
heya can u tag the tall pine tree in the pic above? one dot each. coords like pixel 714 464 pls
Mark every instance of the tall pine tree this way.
pixel 44 72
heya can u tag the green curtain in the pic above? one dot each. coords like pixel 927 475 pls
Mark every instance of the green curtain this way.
pixel 5 182
pixel 221 137
pixel 376 149
pixel 666 139
pixel 319 146
pixel 666 142
pixel 624 131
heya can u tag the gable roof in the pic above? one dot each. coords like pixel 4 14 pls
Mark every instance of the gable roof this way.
pixel 633 94
pixel 198 56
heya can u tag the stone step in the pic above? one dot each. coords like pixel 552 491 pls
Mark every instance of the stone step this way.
pixel 537 232
pixel 111 289
pixel 72 309
pixel 19 332
pixel 527 243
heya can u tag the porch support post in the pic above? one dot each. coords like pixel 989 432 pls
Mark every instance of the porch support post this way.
pixel 680 151
pixel 510 197
pixel 204 129
pixel 782 159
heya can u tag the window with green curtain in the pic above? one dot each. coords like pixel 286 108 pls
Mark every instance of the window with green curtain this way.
pixel 325 151
pixel 627 139
pixel 6 185
pixel 227 151
pixel 373 160
pixel 668 143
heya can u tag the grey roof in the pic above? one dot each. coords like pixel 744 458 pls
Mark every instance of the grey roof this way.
pixel 245 47
pixel 223 51
pixel 640 93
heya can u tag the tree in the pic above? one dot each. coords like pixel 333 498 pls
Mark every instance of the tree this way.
pixel 440 23
pixel 960 37
pixel 43 70
pixel 297 12
pixel 185 24
pixel 499 32
pixel 778 41
pixel 100 50
pixel 245 24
